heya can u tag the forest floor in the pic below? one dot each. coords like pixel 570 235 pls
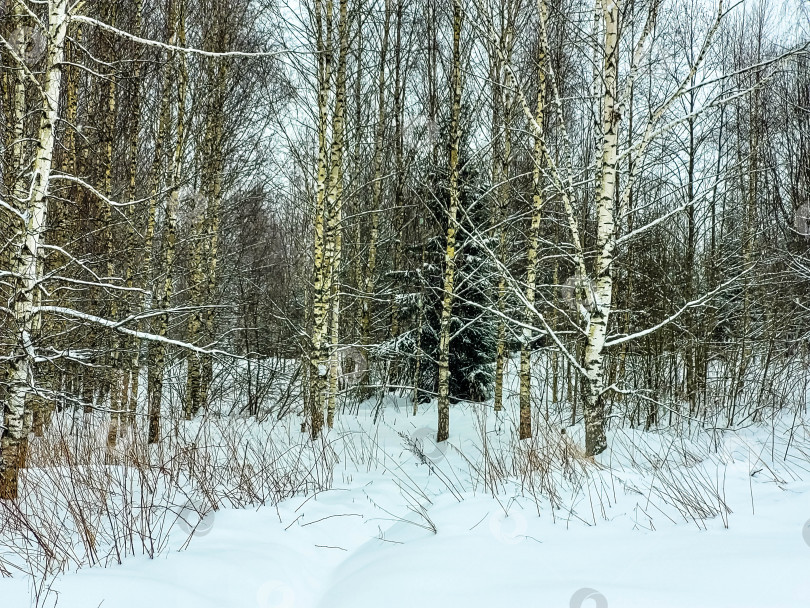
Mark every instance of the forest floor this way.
pixel 684 519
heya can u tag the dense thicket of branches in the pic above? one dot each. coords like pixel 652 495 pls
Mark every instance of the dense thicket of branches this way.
pixel 617 192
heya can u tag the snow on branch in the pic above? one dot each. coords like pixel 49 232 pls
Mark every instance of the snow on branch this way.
pixel 693 304
pixel 171 47
pixel 141 335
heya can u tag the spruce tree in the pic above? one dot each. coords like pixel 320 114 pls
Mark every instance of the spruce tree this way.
pixel 472 350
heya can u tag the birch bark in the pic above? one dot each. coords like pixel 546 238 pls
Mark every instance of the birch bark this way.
pixel 157 350
pixel 334 243
pixel 317 356
pixel 376 186
pixel 129 388
pixel 199 371
pixel 26 267
pixel 452 227
pixel 525 429
pixel 593 387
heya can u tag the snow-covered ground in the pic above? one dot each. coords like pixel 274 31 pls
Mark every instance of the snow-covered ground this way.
pixel 684 519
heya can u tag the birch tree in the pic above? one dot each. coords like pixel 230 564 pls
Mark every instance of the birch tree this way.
pixel 334 243
pixel 452 228
pixel 501 135
pixel 376 184
pixel 20 365
pixel 607 196
pixel 328 195
pixel 525 430
pixel 157 350
pixel 206 248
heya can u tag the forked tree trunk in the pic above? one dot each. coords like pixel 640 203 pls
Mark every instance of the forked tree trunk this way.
pixel 214 212
pixel 749 237
pixel 399 187
pixel 129 388
pixel 432 63
pixel 26 267
pixel 501 151
pixel 130 385
pixel 157 350
pixel 525 430
pixel 20 151
pixel 113 377
pixel 199 371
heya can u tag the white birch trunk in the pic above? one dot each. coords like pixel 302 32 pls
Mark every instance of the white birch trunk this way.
pixel 317 356
pixel 595 441
pixel 452 227
pixel 26 267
